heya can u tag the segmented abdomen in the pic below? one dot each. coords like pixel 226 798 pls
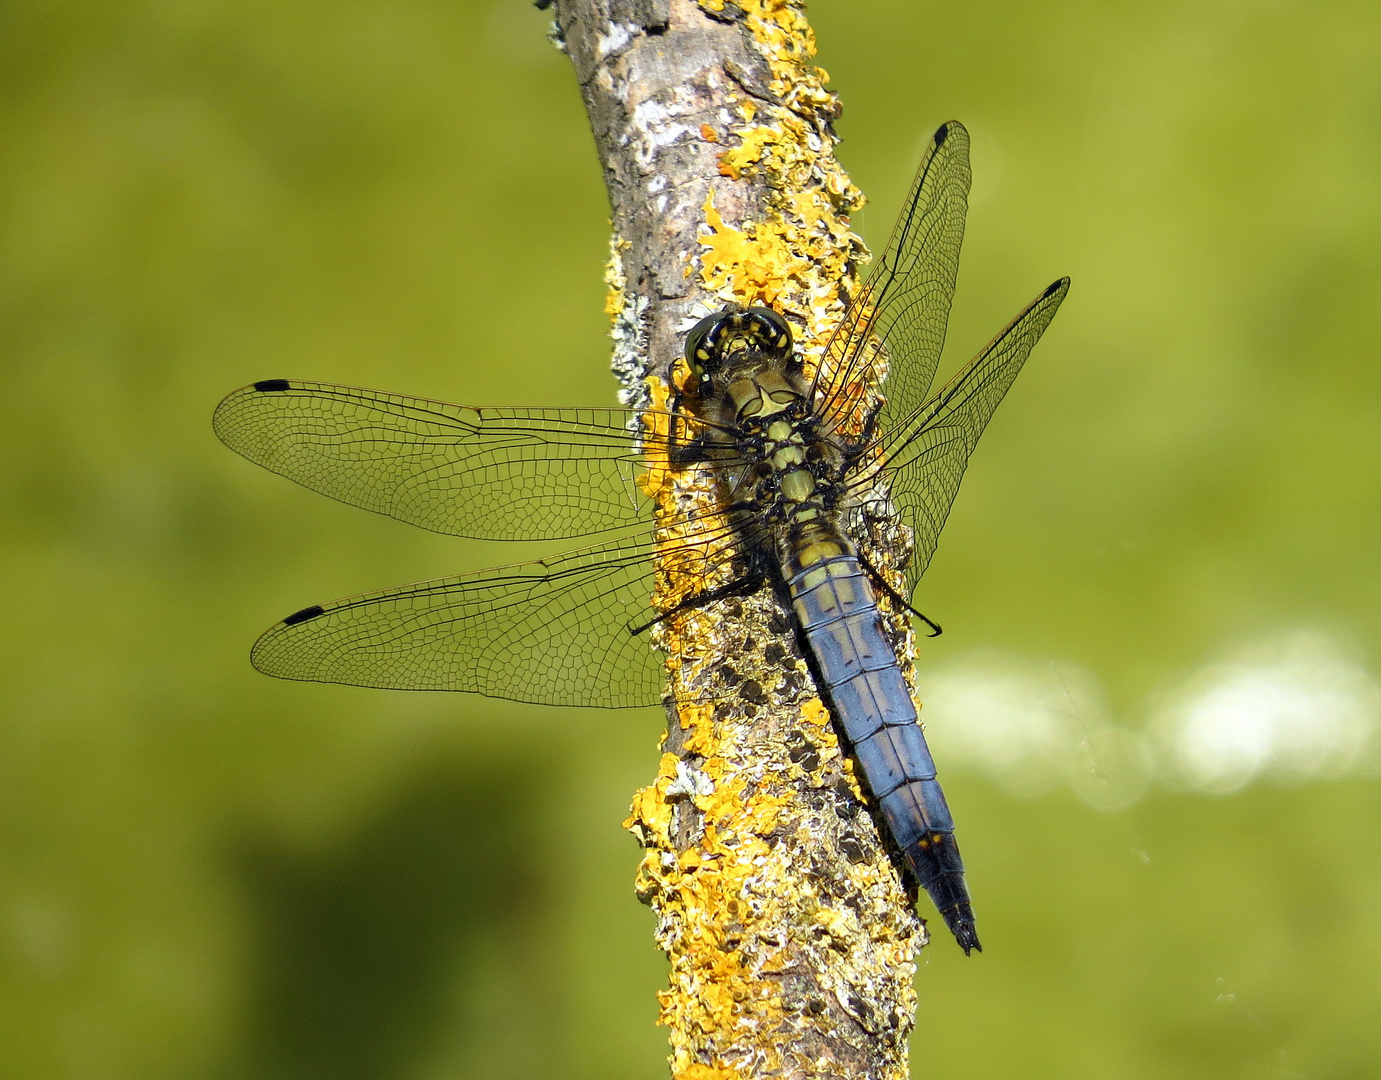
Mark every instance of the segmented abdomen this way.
pixel 858 671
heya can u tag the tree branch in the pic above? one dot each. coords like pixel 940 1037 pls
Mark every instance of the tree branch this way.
pixel 790 935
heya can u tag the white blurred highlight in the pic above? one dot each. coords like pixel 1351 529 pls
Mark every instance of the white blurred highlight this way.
pixel 1300 708
pixel 1033 727
pixel 1297 708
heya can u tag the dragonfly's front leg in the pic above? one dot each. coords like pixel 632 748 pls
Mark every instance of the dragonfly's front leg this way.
pixel 683 450
pixel 855 448
pixel 744 586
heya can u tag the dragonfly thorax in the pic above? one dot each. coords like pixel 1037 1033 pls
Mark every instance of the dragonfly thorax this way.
pixel 792 468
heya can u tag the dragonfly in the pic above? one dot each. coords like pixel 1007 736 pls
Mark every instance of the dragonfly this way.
pixel 797 465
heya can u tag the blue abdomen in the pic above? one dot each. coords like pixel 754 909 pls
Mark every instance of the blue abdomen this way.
pixel 858 671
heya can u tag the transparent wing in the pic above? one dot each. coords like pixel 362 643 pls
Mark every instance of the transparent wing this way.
pixel 491 474
pixel 900 314
pixel 927 456
pixel 557 631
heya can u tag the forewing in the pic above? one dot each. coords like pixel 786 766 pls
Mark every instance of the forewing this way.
pixel 491 474
pixel 927 457
pixel 556 631
pixel 904 304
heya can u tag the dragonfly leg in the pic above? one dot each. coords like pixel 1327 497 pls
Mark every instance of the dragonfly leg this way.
pixel 856 447
pixel 684 449
pixel 896 597
pixel 744 586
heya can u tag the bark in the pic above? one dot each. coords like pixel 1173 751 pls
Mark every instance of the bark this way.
pixel 791 937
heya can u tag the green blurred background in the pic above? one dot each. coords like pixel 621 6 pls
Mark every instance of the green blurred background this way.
pixel 1156 700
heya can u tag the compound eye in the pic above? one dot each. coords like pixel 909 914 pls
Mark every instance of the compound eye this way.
pixel 775 330
pixel 699 343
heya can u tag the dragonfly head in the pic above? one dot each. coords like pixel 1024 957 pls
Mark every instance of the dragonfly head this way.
pixel 737 334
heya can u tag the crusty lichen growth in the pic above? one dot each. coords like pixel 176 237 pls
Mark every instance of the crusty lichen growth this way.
pixel 626 310
pixel 801 256
pixel 791 937
pixel 768 948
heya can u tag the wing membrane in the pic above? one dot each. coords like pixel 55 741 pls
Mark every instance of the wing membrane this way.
pixel 491 474
pixel 555 631
pixel 904 305
pixel 559 630
pixel 927 455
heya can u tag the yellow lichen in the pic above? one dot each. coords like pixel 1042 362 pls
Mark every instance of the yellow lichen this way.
pixel 725 821
pixel 800 256
pixel 697 1071
pixel 614 276
pixel 752 145
pixel 655 477
pixel 752 266
pixel 696 720
pixel 651 812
